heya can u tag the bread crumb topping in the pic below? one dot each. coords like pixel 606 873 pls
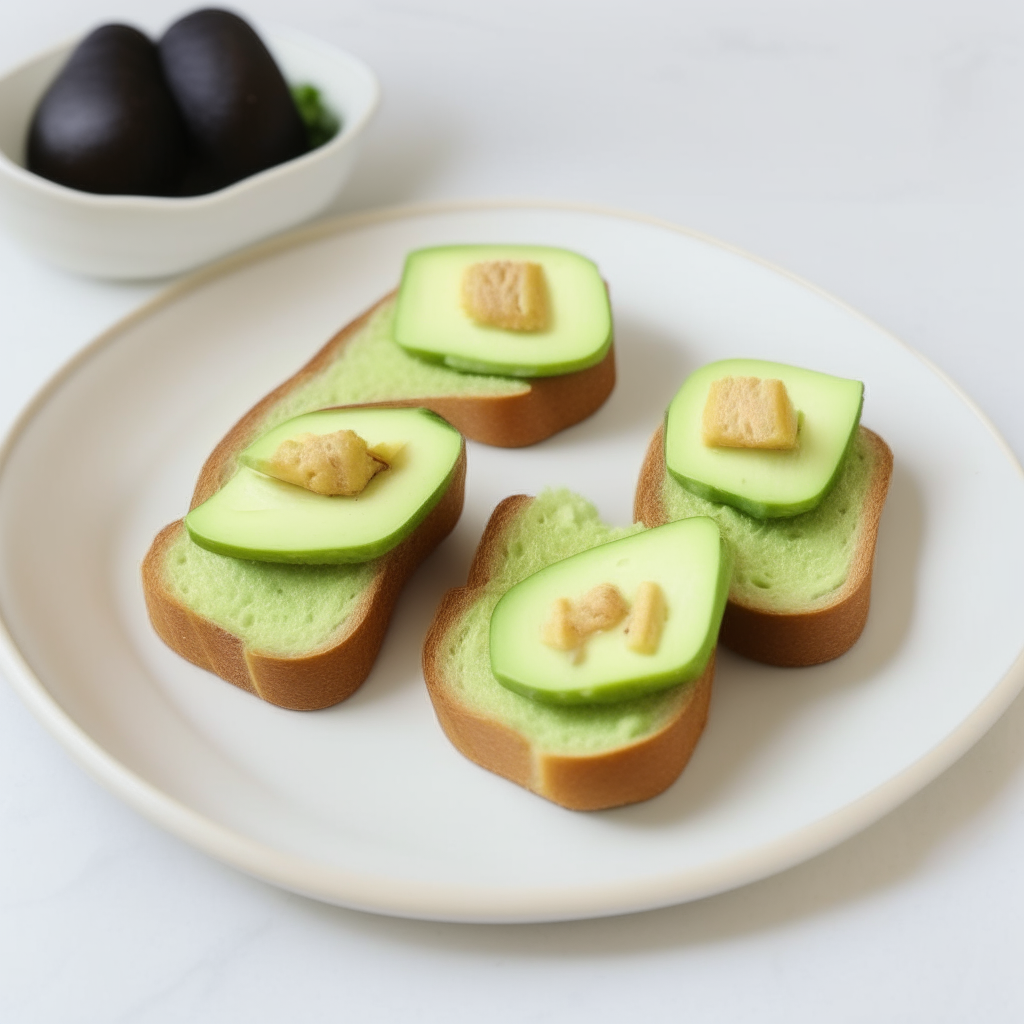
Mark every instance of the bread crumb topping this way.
pixel 386 451
pixel 334 464
pixel 600 608
pixel 506 293
pixel 569 624
pixel 643 631
pixel 559 628
pixel 749 412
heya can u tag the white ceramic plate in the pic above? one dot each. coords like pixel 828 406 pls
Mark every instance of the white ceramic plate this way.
pixel 366 804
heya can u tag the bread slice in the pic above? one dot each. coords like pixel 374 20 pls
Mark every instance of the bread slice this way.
pixel 801 586
pixel 325 672
pixel 584 758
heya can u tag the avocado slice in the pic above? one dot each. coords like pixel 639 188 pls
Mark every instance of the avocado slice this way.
pixel 686 559
pixel 430 321
pixel 257 517
pixel 764 483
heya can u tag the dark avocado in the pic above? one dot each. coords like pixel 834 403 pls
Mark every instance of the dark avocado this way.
pixel 236 104
pixel 108 122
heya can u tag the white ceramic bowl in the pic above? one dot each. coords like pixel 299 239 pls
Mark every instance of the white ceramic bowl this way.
pixel 149 236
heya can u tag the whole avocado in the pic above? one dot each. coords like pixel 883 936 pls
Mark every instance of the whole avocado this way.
pixel 108 122
pixel 235 102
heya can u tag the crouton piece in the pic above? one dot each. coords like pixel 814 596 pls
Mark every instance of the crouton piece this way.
pixel 331 464
pixel 559 630
pixel 571 623
pixel 643 631
pixel 506 293
pixel 601 607
pixel 749 412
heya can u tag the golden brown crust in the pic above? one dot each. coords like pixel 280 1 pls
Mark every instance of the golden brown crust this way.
pixel 824 631
pixel 627 774
pixel 322 677
pixel 549 405
pixel 545 406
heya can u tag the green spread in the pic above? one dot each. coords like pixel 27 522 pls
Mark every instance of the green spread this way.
pixel 275 608
pixel 372 368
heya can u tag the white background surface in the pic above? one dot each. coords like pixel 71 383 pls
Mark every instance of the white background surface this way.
pixel 876 149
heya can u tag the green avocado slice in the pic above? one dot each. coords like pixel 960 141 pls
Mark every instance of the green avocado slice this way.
pixel 431 323
pixel 257 517
pixel 687 559
pixel 765 484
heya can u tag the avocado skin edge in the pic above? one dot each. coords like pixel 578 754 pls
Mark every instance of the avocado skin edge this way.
pixel 366 553
pixel 521 371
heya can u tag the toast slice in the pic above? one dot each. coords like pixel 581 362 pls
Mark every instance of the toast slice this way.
pixel 584 757
pixel 304 676
pixel 802 586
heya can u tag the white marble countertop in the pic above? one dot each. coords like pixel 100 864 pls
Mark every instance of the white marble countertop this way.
pixel 874 148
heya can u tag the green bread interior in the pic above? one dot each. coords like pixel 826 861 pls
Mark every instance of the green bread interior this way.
pixel 292 609
pixel 274 608
pixel 373 368
pixel 554 526
pixel 787 565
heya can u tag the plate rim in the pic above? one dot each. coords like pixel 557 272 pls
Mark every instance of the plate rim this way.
pixel 445 901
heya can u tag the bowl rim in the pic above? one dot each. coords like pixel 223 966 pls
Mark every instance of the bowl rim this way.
pixel 350 130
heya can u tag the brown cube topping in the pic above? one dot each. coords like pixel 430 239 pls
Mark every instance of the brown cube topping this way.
pixel 749 412
pixel 643 631
pixel 570 623
pixel 330 464
pixel 559 628
pixel 599 608
pixel 506 293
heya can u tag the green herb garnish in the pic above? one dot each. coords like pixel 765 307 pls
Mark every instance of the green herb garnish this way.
pixel 322 124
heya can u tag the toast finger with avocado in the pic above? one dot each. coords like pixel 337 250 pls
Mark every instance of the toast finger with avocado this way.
pixel 285 590
pixel 578 659
pixel 430 344
pixel 776 455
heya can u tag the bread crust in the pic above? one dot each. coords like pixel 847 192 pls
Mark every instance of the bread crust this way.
pixel 545 406
pixel 828 628
pixel 324 676
pixel 623 775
